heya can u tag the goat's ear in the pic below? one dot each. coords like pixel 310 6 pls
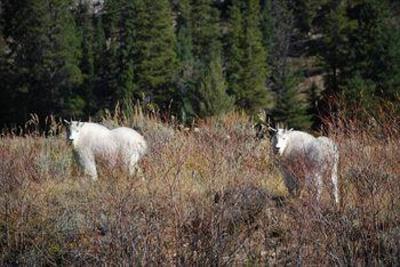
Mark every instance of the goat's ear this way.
pixel 67 122
pixel 291 129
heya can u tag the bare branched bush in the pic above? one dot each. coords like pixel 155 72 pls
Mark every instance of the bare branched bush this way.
pixel 206 195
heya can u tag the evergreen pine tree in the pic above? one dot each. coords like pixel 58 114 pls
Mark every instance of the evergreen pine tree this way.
pixel 374 55
pixel 126 37
pixel 336 26
pixel 86 29
pixel 155 51
pixel 278 29
pixel 313 99
pixel 202 84
pixel 304 12
pixel 47 55
pixel 109 87
pixel 246 55
pixel 8 112
pixel 100 90
pixel 187 75
pixel 235 51
pixel 212 92
pixel 291 104
pixel 184 33
pixel 206 34
pixel 360 50
pixel 211 87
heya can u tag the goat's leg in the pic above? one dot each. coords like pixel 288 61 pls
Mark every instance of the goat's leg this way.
pixel 319 185
pixel 335 177
pixel 88 165
pixel 335 188
pixel 133 168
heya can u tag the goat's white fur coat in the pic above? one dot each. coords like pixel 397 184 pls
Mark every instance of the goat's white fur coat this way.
pixel 306 159
pixel 92 142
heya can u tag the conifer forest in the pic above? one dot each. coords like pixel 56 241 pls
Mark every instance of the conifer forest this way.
pixel 298 60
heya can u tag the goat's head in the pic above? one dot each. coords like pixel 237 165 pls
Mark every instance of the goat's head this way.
pixel 73 130
pixel 280 140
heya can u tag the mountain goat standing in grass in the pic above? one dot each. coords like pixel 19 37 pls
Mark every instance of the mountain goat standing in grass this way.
pixel 92 142
pixel 306 159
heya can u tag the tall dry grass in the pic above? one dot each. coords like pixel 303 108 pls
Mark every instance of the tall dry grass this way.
pixel 205 196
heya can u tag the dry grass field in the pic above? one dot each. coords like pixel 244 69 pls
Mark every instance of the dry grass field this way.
pixel 206 196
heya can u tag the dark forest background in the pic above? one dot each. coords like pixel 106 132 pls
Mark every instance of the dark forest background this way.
pixel 299 60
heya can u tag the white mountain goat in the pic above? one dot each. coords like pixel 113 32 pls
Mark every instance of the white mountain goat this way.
pixel 306 159
pixel 92 142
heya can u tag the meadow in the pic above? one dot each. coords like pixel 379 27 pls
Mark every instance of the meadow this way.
pixel 209 195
